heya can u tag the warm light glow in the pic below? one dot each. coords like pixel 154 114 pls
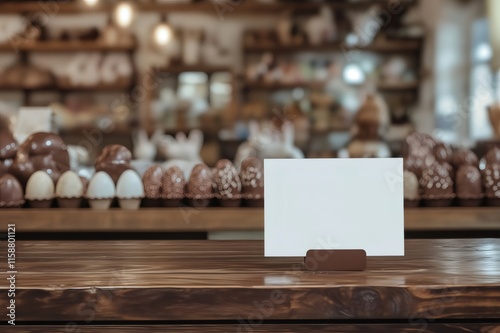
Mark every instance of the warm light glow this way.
pixel 162 34
pixel 353 74
pixel 124 14
pixel 91 3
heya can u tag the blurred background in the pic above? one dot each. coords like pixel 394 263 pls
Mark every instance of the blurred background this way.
pixel 113 71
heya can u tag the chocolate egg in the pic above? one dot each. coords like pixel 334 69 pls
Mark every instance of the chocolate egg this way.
pixel 436 183
pixel 40 187
pixel 173 183
pixel 199 185
pixel 152 181
pixel 41 152
pixel 493 156
pixel 114 160
pixel 227 184
pixel 442 153
pixel 414 165
pixel 418 145
pixel 468 182
pixel 464 157
pixel 491 181
pixel 11 192
pixel 226 180
pixel 252 178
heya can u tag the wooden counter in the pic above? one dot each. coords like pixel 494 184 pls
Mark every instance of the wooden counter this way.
pixel 187 219
pixel 208 286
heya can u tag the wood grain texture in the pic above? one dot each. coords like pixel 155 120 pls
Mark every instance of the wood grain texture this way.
pixel 262 328
pixel 231 280
pixel 187 219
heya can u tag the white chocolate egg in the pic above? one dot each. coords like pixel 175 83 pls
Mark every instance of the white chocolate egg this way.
pixel 411 186
pixel 40 187
pixel 101 186
pixel 69 185
pixel 129 186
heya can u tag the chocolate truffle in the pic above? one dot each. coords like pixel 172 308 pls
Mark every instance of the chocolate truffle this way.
pixel 173 186
pixel 469 186
pixel 411 189
pixel 252 181
pixel 199 189
pixel 8 151
pixel 464 157
pixel 493 156
pixel 114 160
pixel 437 186
pixel 152 182
pixel 443 153
pixel 491 182
pixel 41 152
pixel 227 184
pixel 11 192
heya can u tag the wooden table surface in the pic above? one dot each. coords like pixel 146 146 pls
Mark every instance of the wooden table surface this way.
pixel 198 282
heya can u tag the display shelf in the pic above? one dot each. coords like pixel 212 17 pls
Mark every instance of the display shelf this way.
pixel 177 69
pixel 187 219
pixel 228 8
pixel 69 88
pixel 382 46
pixel 385 86
pixel 64 46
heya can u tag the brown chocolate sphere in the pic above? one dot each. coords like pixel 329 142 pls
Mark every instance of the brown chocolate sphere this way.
pixel 41 152
pixel 114 160
pixel 493 156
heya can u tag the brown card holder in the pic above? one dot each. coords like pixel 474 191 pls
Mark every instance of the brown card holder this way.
pixel 335 260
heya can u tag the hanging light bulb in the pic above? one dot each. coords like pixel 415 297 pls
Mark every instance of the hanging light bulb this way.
pixel 124 14
pixel 91 3
pixel 162 33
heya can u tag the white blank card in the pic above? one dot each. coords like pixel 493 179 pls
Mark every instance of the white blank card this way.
pixel 334 204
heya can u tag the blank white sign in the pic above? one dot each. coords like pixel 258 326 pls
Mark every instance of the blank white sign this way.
pixel 334 204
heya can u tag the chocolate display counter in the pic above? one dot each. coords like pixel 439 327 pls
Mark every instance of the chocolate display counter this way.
pixel 440 286
pixel 485 221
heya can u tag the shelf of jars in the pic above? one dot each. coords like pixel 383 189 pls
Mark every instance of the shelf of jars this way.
pixel 189 219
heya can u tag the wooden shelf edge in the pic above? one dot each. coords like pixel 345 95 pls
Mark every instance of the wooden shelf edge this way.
pixel 188 219
pixel 65 46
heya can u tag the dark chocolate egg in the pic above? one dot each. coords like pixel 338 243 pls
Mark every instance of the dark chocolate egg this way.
pixel 468 182
pixel 252 178
pixel 200 185
pixel 11 192
pixel 418 145
pixel 8 145
pixel 226 180
pixel 173 183
pixel 114 160
pixel 436 182
pixel 152 181
pixel 41 152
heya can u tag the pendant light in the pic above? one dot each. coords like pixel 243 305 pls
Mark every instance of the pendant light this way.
pixel 162 33
pixel 124 14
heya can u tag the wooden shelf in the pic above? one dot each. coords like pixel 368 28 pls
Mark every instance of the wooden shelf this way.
pixel 207 7
pixel 382 46
pixel 188 219
pixel 67 88
pixel 259 85
pixel 177 69
pixel 65 46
